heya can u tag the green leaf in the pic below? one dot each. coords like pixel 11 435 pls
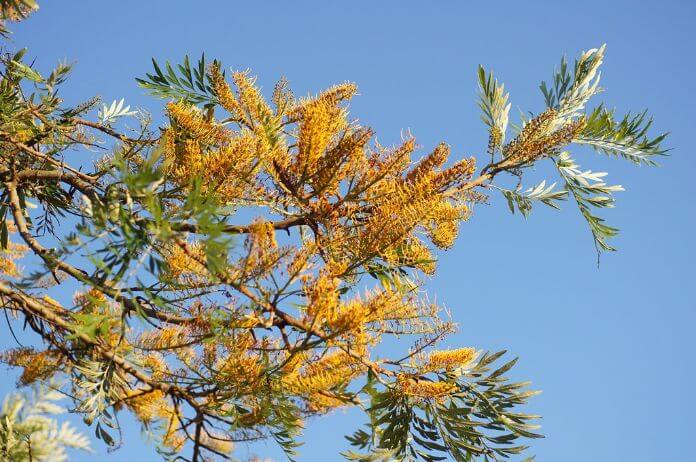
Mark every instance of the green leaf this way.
pixel 190 84
pixel 627 138
pixel 22 70
pixel 589 191
pixel 493 101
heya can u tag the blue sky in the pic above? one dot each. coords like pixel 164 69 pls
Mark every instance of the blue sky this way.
pixel 612 347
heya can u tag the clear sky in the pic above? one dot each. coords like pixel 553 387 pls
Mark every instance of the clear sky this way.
pixel 612 347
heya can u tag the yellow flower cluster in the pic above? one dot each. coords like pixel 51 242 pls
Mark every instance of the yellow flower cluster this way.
pixel 173 438
pixel 378 311
pixel 8 256
pixel 538 137
pixel 151 406
pixel 37 365
pixel 349 206
pixel 328 372
pixel 322 296
pixel 449 359
pixel 424 389
pixel 167 337
pixel 388 198
pixel 444 226
pixel 148 405
pixel 16 11
pixel 321 121
pixel 155 362
pixel 217 442
pixel 92 301
pixel 240 367
pixel 7 267
pixel 192 122
pixel 411 253
pixel 250 98
pixel 185 264
pixel 262 248
pixel 224 93
pixel 322 402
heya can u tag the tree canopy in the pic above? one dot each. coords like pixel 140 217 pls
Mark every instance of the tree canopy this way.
pixel 235 271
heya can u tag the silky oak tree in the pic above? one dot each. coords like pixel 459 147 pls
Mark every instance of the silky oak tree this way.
pixel 234 271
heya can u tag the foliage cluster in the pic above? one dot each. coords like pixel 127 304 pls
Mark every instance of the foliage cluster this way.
pixel 239 267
